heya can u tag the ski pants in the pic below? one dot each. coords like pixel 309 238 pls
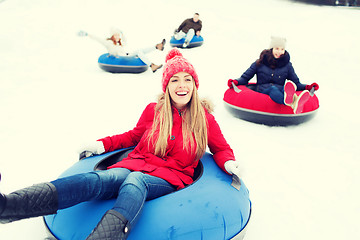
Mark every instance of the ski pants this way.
pixel 188 36
pixel 141 53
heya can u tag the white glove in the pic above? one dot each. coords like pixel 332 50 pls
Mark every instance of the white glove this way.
pixel 232 167
pixel 92 148
pixel 82 33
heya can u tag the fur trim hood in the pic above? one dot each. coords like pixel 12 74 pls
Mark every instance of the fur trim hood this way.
pixel 208 105
pixel 267 58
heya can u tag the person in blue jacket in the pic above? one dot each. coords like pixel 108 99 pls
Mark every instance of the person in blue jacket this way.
pixel 276 77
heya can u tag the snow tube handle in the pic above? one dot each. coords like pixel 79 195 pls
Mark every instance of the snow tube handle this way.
pixel 312 91
pixel 236 89
pixel 236 183
pixel 85 154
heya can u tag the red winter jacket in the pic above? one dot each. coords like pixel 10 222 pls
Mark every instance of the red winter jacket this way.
pixel 177 167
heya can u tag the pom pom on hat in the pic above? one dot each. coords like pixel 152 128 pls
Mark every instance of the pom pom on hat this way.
pixel 174 63
pixel 173 53
pixel 277 42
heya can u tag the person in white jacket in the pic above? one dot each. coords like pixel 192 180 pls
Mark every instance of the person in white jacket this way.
pixel 115 46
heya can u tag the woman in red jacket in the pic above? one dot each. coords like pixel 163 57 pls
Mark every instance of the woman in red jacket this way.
pixel 170 137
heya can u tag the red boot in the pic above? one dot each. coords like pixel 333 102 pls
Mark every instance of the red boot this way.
pixel 300 101
pixel 289 91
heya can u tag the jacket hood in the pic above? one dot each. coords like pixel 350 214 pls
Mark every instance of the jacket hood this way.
pixel 208 105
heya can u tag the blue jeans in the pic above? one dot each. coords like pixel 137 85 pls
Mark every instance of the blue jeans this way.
pixel 276 94
pixel 131 189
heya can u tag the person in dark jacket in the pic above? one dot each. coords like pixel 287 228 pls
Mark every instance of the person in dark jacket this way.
pixel 188 29
pixel 276 77
pixel 170 137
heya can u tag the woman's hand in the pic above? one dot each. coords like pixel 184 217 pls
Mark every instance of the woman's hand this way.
pixel 232 167
pixel 90 149
pixel 230 81
pixel 313 85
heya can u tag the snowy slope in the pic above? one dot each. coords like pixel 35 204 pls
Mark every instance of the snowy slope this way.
pixel 303 180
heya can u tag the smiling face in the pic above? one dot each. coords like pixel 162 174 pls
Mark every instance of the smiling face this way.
pixel 181 87
pixel 196 18
pixel 278 51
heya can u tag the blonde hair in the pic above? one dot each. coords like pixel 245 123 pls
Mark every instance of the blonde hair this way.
pixel 194 125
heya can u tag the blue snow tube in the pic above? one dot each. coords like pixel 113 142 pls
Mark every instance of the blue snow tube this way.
pixel 121 64
pixel 196 41
pixel 210 208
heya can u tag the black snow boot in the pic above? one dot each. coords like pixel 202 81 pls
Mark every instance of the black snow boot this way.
pixel 113 226
pixel 37 200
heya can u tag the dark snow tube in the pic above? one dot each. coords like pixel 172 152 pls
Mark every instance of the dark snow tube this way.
pixel 256 107
pixel 209 209
pixel 121 64
pixel 196 41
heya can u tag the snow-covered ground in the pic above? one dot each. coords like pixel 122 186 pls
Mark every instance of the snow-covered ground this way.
pixel 303 180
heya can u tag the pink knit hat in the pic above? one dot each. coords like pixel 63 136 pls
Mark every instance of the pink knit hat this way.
pixel 174 63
